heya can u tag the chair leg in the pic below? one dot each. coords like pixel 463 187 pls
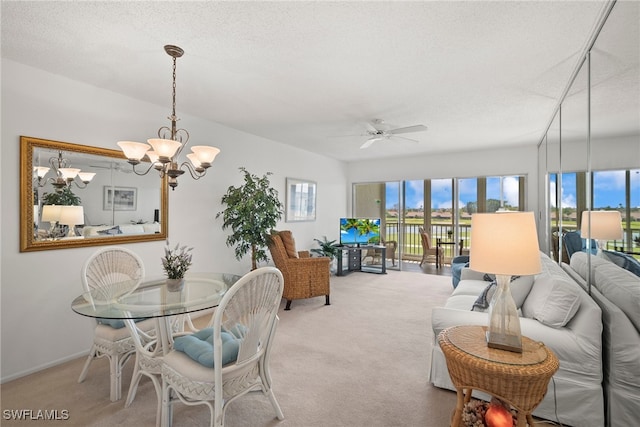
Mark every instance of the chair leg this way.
pixel 288 306
pixel 114 362
pixel 133 387
pixel 327 300
pixel 85 369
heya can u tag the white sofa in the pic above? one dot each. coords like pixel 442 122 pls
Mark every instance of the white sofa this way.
pixel 617 292
pixel 554 310
pixel 120 229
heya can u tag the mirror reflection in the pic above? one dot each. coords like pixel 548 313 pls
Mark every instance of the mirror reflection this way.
pixel 76 195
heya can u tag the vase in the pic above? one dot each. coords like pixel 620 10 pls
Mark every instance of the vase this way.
pixel 174 285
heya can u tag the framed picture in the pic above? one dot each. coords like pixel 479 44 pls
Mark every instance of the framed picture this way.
pixel 300 200
pixel 120 198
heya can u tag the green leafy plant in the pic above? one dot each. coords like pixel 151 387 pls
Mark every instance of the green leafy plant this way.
pixel 64 197
pixel 252 210
pixel 176 261
pixel 328 248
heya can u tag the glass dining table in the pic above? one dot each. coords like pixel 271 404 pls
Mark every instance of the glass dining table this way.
pixel 154 298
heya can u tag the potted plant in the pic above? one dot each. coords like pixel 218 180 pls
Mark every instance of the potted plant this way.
pixel 175 263
pixel 252 210
pixel 328 248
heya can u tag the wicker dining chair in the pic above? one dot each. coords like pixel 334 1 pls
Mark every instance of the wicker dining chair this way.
pixel 110 272
pixel 304 277
pixel 240 342
pixel 428 250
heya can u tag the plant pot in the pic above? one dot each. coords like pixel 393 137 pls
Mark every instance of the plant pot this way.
pixel 174 285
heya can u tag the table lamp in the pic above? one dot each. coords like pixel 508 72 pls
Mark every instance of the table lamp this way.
pixel 72 216
pixel 601 226
pixel 505 244
pixel 51 214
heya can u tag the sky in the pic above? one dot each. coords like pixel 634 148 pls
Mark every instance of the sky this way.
pixel 609 191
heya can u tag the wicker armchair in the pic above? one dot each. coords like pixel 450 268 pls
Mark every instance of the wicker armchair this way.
pixel 304 277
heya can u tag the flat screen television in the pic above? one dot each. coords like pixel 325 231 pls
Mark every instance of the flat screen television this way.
pixel 359 231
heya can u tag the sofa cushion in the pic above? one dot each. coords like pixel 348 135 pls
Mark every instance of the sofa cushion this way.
pixel 579 263
pixel 289 243
pixel 622 288
pixel 553 300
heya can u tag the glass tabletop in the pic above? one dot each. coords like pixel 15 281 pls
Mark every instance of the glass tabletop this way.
pixel 153 298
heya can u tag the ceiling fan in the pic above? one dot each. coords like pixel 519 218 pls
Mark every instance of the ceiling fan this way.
pixel 114 166
pixel 377 130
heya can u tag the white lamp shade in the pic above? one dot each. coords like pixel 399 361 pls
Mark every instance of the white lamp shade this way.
pixel 133 150
pixel 601 225
pixel 153 156
pixel 72 215
pixel 51 213
pixel 69 173
pixel 164 147
pixel 86 176
pixel 505 243
pixel 41 171
pixel 194 159
pixel 205 153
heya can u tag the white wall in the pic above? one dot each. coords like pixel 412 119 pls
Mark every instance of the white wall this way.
pixel 38 327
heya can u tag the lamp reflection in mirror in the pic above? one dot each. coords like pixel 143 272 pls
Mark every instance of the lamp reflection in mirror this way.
pixel 601 226
pixel 504 244
pixel 71 216
pixel 51 214
pixel 169 144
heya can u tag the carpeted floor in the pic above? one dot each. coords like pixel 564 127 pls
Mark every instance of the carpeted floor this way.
pixel 362 361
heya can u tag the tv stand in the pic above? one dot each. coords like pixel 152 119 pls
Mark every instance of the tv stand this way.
pixel 354 260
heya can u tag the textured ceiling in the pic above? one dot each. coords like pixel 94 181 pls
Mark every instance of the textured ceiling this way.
pixel 477 74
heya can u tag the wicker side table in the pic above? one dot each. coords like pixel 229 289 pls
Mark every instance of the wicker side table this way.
pixel 520 379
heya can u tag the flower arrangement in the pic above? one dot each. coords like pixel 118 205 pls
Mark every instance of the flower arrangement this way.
pixel 176 261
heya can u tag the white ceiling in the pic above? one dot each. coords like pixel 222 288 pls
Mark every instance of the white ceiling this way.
pixel 477 73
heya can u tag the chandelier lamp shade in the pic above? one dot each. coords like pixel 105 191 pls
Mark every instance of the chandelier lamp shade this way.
pixel 163 152
pixel 64 175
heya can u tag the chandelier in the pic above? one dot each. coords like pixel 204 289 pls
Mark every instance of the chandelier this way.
pixel 64 175
pixel 163 152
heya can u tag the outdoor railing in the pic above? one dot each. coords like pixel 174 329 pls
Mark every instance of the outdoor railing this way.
pixel 412 248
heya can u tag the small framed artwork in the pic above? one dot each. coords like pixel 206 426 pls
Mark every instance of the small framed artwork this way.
pixel 120 198
pixel 300 200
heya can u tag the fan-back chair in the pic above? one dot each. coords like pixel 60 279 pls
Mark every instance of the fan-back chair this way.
pixel 304 277
pixel 244 326
pixel 110 272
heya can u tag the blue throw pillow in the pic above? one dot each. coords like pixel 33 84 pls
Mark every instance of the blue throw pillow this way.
pixel 199 346
pixel 116 323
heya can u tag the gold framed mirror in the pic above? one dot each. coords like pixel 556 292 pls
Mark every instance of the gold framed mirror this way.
pixel 114 206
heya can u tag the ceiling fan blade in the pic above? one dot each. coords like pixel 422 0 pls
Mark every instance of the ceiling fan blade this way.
pixel 368 143
pixel 371 128
pixel 408 129
pixel 405 138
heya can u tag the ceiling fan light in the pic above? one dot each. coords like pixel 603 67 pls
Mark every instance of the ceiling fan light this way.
pixel 165 148
pixel 133 150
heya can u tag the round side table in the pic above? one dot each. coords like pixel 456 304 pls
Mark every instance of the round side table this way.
pixel 520 379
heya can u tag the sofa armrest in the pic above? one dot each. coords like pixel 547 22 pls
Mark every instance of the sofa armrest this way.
pixel 469 274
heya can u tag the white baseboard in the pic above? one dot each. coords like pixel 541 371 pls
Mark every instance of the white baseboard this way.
pixel 43 367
